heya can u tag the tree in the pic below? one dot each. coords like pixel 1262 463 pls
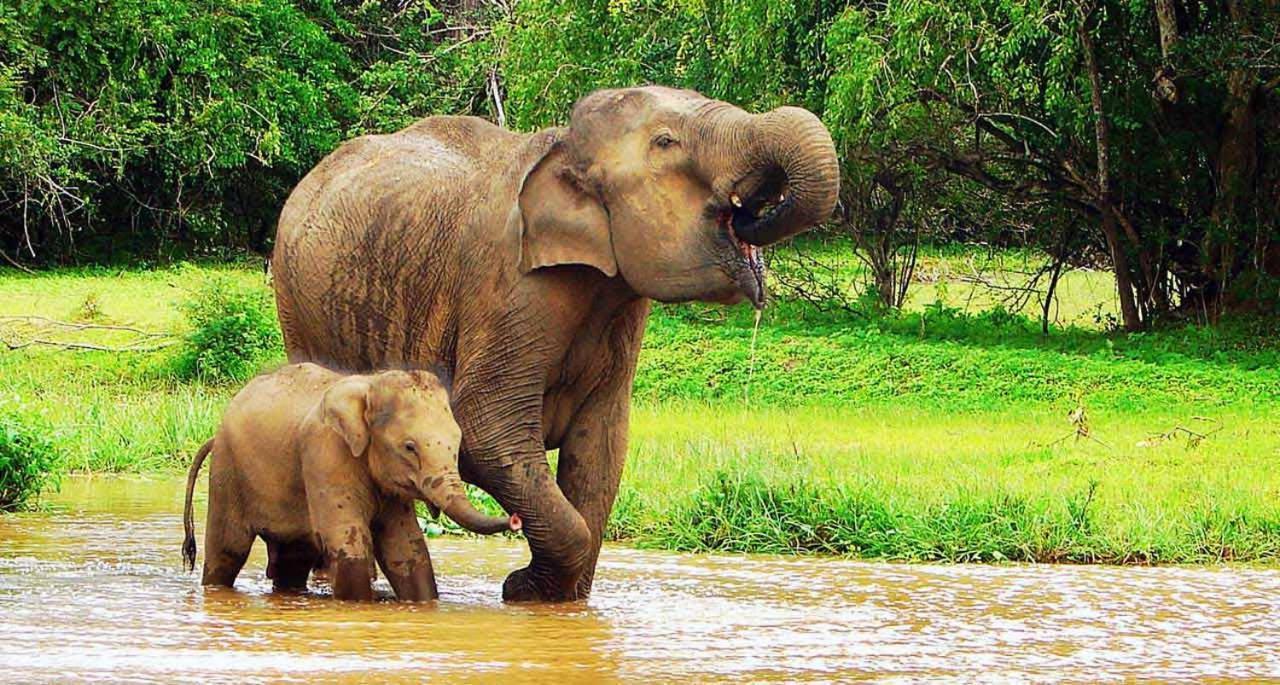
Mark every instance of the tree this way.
pixel 147 127
pixel 1017 97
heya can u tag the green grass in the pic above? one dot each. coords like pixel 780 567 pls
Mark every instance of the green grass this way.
pixel 112 411
pixel 938 434
pixel 948 361
pixel 924 484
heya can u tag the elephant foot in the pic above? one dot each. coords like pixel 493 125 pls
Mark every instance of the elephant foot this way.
pixel 528 585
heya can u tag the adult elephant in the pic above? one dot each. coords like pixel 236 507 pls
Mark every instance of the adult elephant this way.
pixel 522 265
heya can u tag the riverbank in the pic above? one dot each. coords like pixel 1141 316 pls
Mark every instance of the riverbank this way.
pixel 939 434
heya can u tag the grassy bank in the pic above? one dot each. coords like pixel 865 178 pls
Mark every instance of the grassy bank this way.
pixel 942 433
pixel 927 484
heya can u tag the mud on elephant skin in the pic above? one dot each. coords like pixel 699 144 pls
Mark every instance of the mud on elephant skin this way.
pixel 523 265
pixel 325 468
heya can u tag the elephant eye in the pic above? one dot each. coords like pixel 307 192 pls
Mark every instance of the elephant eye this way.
pixel 411 447
pixel 664 140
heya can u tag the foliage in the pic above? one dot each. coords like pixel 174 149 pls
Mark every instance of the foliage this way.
pixel 1050 104
pixel 233 330
pixel 1088 129
pixel 755 53
pixel 143 127
pixel 28 458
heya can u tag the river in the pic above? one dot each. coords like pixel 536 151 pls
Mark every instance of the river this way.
pixel 92 589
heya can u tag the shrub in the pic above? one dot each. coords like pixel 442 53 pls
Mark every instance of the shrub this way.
pixel 27 456
pixel 233 330
pixel 89 310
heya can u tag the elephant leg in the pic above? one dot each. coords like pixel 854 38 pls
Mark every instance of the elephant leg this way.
pixel 590 468
pixel 226 548
pixel 402 553
pixel 290 563
pixel 227 540
pixel 558 536
pixel 595 442
pixel 594 447
pixel 348 550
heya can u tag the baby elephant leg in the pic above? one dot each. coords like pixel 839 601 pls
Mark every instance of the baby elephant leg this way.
pixel 402 553
pixel 290 563
pixel 348 550
pixel 227 542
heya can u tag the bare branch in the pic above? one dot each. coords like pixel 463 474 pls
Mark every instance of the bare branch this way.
pixel 15 264
pixel 78 326
pixel 495 90
pixel 87 346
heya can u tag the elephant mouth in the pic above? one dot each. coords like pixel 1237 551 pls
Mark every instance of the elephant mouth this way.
pixel 744 210
pixel 748 266
pixel 757 199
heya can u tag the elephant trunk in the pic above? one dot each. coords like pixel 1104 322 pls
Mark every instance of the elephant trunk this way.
pixel 793 142
pixel 457 507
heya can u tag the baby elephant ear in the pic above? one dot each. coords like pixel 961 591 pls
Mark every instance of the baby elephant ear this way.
pixel 344 407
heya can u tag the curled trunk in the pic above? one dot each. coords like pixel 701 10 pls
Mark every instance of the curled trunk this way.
pixel 791 144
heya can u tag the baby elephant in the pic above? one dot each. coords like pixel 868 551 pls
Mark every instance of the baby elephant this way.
pixel 324 468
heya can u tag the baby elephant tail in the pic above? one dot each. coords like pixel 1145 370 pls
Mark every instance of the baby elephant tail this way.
pixel 189 543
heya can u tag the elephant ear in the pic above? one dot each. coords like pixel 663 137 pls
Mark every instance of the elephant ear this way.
pixel 563 223
pixel 344 409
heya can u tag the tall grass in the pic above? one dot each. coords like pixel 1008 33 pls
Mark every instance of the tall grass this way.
pixel 740 512
pixel 922 484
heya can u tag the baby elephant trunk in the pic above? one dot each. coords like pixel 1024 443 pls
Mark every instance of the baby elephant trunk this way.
pixel 460 509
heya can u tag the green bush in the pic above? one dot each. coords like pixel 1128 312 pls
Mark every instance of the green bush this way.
pixel 233 330
pixel 28 458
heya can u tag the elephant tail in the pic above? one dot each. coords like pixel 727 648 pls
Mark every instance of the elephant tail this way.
pixel 188 525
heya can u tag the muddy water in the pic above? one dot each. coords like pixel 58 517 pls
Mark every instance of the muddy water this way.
pixel 92 590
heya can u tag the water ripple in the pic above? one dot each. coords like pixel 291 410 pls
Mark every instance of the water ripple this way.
pixel 94 591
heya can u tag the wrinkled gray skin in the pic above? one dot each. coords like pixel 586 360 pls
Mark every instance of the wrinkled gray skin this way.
pixel 524 263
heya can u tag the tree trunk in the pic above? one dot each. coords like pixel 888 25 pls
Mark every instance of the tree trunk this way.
pixel 1236 167
pixel 1130 314
pixel 1105 202
pixel 1167 20
pixel 1237 170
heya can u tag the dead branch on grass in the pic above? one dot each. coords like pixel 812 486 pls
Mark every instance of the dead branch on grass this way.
pixel 1194 438
pixel 4 255
pixel 19 332
pixel 68 345
pixel 1081 430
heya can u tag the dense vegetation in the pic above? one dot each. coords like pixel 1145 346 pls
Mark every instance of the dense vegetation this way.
pixel 1142 136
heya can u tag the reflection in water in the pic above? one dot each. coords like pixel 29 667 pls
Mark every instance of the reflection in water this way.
pixel 94 590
